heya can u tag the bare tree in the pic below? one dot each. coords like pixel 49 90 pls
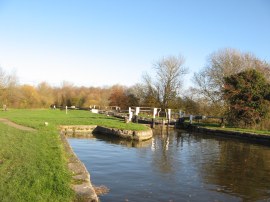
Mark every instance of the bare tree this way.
pixel 223 63
pixel 8 87
pixel 169 78
pixel 165 86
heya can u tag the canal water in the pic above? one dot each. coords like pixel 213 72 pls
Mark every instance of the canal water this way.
pixel 177 166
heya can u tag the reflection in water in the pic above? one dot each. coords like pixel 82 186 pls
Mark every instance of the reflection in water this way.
pixel 240 169
pixel 115 140
pixel 177 166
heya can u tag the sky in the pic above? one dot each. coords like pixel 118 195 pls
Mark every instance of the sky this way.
pixel 107 42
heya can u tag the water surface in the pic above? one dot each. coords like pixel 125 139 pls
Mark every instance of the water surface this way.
pixel 177 166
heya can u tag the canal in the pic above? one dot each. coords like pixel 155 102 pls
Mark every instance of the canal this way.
pixel 177 166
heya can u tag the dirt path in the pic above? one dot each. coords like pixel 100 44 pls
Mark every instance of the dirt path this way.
pixel 14 125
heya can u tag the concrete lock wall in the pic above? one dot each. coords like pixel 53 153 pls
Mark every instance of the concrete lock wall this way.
pixel 82 130
pixel 84 190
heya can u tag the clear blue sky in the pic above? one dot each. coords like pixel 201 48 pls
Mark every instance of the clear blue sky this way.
pixel 106 42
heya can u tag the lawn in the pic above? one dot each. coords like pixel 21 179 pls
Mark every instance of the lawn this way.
pixel 35 118
pixel 33 165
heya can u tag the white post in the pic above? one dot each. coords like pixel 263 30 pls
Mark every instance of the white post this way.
pixel 130 116
pixel 154 112
pixel 169 114
pixel 190 119
pixel 66 109
pixel 137 111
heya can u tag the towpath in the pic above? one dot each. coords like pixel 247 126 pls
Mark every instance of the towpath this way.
pixel 14 125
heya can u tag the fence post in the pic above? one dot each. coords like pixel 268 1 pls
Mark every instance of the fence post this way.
pixel 190 119
pixel 169 116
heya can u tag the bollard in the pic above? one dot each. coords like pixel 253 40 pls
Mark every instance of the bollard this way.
pixel 153 123
pixel 222 124
pixel 136 118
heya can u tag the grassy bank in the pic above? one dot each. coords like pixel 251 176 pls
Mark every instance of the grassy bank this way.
pixel 33 165
pixel 228 128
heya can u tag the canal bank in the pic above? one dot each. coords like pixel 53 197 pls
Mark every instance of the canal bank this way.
pixel 88 130
pixel 81 182
pixel 261 138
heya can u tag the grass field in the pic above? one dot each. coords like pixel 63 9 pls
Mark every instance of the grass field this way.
pixel 33 165
pixel 35 118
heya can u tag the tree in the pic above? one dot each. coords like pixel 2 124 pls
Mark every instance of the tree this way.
pixel 223 63
pixel 45 92
pixel 118 97
pixel 29 97
pixel 139 92
pixel 247 95
pixel 166 84
pixel 9 92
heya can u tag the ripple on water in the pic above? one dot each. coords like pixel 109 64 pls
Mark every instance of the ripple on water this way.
pixel 178 167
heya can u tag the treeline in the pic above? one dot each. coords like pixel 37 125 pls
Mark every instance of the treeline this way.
pixel 208 96
pixel 44 96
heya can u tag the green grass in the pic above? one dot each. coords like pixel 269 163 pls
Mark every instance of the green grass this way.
pixel 36 118
pixel 243 130
pixel 228 128
pixel 33 165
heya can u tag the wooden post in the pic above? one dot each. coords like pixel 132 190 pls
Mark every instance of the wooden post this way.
pixel 136 118
pixel 169 116
pixel 66 109
pixel 130 116
pixel 137 111
pixel 153 122
pixel 154 113
pixel 222 124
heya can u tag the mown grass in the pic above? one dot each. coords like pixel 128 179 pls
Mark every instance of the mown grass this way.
pixel 35 118
pixel 229 128
pixel 33 165
pixel 243 130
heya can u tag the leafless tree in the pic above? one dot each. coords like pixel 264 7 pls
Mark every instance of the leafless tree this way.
pixel 8 84
pixel 225 62
pixel 166 84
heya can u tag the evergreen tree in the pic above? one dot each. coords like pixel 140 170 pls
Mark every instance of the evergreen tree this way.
pixel 247 95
